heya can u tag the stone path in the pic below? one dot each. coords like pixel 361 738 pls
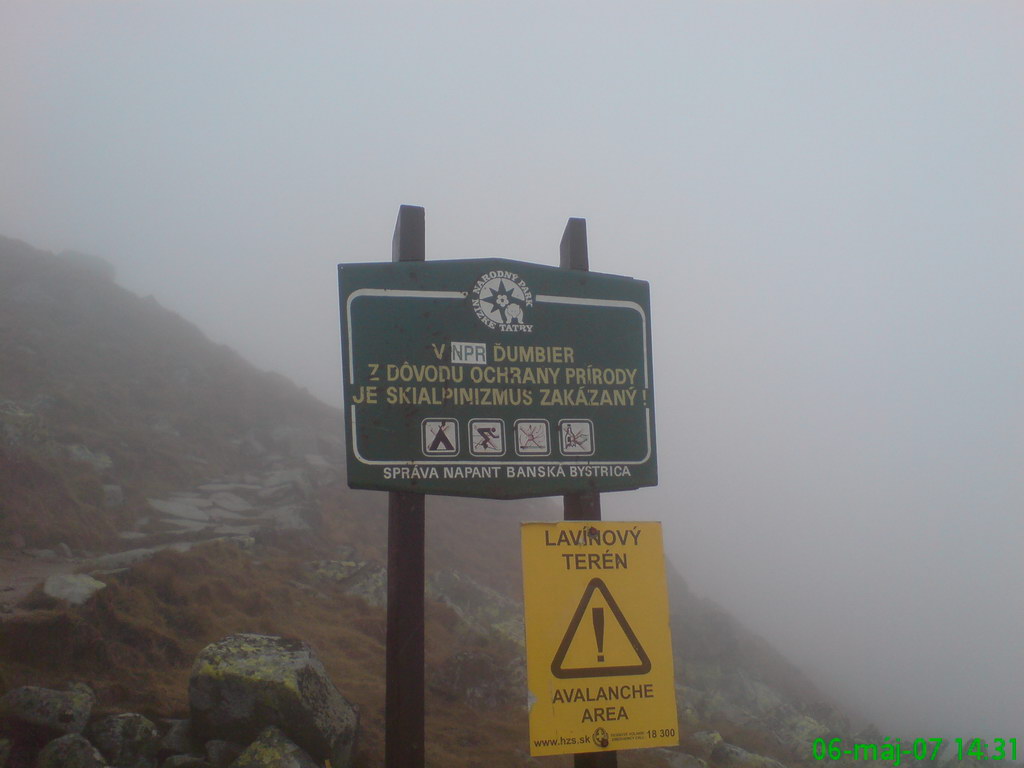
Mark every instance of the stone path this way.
pixel 233 507
pixel 21 572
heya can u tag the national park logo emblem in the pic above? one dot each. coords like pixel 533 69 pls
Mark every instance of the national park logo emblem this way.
pixel 501 300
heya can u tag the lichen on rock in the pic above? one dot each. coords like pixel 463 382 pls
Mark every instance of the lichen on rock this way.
pixel 70 751
pixel 274 750
pixel 126 740
pixel 48 712
pixel 244 683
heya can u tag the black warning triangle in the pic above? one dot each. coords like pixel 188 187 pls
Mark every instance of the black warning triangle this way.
pixel 557 668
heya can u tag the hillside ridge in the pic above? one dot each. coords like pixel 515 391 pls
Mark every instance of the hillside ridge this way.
pixel 204 497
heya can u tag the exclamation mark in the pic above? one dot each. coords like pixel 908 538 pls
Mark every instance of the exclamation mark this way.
pixel 598 615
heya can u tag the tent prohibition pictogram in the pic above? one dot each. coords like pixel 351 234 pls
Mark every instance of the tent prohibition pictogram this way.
pixel 643 663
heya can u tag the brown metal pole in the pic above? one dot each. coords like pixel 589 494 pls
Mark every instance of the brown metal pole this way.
pixel 403 705
pixel 581 506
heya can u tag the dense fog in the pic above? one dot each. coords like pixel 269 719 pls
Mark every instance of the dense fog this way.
pixel 825 198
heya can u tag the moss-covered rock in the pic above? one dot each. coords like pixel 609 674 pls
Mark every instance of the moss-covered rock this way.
pixel 126 741
pixel 369 583
pixel 481 608
pixel 186 761
pixel 675 758
pixel 177 738
pixel 46 712
pixel 221 754
pixel 244 683
pixel 70 751
pixel 730 756
pixel 481 680
pixel 799 731
pixel 274 750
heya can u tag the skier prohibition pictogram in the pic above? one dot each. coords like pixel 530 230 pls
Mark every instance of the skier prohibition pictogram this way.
pixel 532 437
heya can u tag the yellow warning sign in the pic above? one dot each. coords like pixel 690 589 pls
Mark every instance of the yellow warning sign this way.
pixel 598 646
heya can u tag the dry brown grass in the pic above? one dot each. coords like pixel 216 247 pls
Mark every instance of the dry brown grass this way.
pixel 44 503
pixel 135 641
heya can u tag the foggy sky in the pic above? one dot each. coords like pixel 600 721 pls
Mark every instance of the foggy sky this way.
pixel 828 200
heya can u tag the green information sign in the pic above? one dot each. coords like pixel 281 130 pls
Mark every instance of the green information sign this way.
pixel 496 379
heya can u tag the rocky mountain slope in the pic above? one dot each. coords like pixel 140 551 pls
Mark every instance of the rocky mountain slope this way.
pixel 158 494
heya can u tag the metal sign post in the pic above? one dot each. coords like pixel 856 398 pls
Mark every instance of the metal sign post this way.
pixel 404 697
pixel 573 254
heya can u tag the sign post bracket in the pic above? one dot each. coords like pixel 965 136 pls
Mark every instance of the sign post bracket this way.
pixel 573 254
pixel 404 696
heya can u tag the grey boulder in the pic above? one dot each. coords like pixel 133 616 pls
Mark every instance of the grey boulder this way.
pixel 244 683
pixel 70 751
pixel 706 741
pixel 731 756
pixel 480 680
pixel 221 754
pixel 74 588
pixel 47 712
pixel 677 759
pixel 186 761
pixel 274 750
pixel 177 739
pixel 127 740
